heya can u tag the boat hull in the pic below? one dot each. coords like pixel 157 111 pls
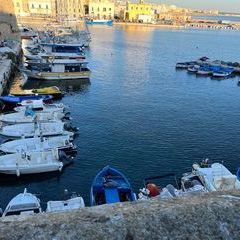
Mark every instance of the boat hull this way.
pixel 100 22
pixel 33 170
pixel 60 76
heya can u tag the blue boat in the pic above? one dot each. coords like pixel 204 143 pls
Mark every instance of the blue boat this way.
pixel 9 102
pixel 100 22
pixel 110 186
pixel 238 174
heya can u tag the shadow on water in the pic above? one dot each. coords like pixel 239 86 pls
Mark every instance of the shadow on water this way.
pixel 13 180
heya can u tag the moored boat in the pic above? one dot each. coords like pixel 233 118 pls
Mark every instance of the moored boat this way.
pixel 53 91
pixel 216 177
pixel 73 203
pixel 193 69
pixel 59 69
pixel 23 204
pixel 32 162
pixel 29 130
pixel 40 106
pixel 38 144
pixel 99 22
pixel 29 116
pixel 110 186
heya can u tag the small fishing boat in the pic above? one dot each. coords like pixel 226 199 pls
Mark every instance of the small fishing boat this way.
pixel 23 204
pixel 29 116
pixel 40 106
pixel 53 91
pixel 99 22
pixel 62 143
pixel 13 100
pixel 221 74
pixel 182 66
pixel 73 203
pixel 33 162
pixel 216 177
pixel 29 130
pixel 193 69
pixel 204 71
pixel 59 69
pixel 110 186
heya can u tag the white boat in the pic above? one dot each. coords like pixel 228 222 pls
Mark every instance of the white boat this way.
pixel 221 74
pixel 39 105
pixel 29 116
pixel 29 130
pixel 216 177
pixel 73 203
pixel 193 69
pixel 23 204
pixel 204 72
pixel 30 162
pixel 38 144
pixel 59 69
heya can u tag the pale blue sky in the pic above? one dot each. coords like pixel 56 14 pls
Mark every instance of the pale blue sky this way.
pixel 223 5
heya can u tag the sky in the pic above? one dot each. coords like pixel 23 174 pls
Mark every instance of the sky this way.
pixel 222 5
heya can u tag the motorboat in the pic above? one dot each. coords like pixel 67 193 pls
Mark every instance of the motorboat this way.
pixel 189 184
pixel 216 177
pixel 40 106
pixel 13 100
pixel 29 116
pixel 63 143
pixel 221 74
pixel 99 22
pixel 23 204
pixel 110 186
pixel 193 69
pixel 32 162
pixel 73 203
pixel 204 71
pixel 54 91
pixel 29 130
pixel 59 69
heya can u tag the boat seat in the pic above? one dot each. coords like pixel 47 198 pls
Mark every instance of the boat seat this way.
pixel 111 195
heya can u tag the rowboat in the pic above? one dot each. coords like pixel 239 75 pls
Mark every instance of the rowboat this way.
pixel 23 204
pixel 110 186
pixel 10 99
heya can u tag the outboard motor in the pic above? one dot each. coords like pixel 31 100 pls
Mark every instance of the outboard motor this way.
pixel 66 160
pixel 69 127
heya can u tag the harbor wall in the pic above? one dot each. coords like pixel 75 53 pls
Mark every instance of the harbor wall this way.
pixel 209 216
pixel 10 45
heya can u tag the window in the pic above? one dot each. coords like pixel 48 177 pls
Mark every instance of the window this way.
pixel 18 5
pixel 110 9
pixel 40 6
pixel 98 9
pixel 136 8
pixel 46 6
pixel 32 5
pixel 92 9
pixel 104 9
pixel 132 8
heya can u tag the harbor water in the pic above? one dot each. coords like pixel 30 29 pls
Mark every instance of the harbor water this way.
pixel 142 116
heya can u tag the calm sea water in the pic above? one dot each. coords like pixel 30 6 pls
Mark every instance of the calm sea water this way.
pixel 219 18
pixel 142 116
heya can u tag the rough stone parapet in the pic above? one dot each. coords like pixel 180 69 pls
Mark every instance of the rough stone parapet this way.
pixel 210 216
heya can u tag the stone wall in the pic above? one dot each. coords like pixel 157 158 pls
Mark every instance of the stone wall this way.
pixel 210 216
pixel 8 22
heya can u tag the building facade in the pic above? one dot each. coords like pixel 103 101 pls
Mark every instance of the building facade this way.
pixel 101 9
pixel 138 12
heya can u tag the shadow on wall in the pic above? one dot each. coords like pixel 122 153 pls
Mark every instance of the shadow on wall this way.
pixel 8 21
